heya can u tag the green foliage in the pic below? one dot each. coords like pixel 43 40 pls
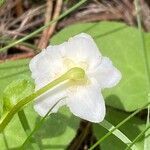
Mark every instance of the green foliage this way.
pixel 119 42
pixel 2 2
pixel 16 91
pixel 58 130
pixel 11 71
pixel 115 40
pixel 131 129
pixel 108 126
pixel 122 44
pixel 56 133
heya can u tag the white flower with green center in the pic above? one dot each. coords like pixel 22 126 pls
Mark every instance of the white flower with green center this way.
pixel 83 97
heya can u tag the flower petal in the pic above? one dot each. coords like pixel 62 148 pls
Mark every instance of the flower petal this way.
pixel 45 102
pixel 38 64
pixel 82 48
pixel 87 103
pixel 106 74
pixel 47 65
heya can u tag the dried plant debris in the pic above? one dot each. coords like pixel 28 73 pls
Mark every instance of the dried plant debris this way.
pixel 14 24
pixel 119 10
pixel 21 17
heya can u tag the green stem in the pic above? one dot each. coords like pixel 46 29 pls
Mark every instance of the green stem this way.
pixel 38 125
pixel 108 126
pixel 119 125
pixel 145 55
pixel 9 41
pixel 45 26
pixel 147 139
pixel 28 99
pixel 141 35
pixel 25 125
pixel 73 74
pixel 138 137
pixel 24 122
pixel 5 141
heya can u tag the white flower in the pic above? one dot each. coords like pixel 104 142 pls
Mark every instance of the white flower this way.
pixel 84 99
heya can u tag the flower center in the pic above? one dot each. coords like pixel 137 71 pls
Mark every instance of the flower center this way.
pixel 76 74
pixel 68 63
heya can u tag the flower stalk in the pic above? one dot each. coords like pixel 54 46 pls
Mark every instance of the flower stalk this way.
pixel 72 74
pixel 146 63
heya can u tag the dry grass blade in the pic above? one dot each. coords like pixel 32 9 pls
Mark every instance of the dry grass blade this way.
pixel 145 12
pixel 19 8
pixel 47 33
pixel 102 10
pixel 13 27
pixel 48 16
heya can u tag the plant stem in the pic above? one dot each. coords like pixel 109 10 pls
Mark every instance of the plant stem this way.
pixel 138 137
pixel 9 41
pixel 147 67
pixel 5 141
pixel 147 138
pixel 45 26
pixel 141 35
pixel 108 126
pixel 28 99
pixel 24 122
pixel 38 125
pixel 72 74
pixel 26 127
pixel 120 124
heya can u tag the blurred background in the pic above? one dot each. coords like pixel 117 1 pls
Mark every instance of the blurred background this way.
pixel 18 18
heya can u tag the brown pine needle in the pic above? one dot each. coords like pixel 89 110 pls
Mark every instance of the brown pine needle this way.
pixel 47 33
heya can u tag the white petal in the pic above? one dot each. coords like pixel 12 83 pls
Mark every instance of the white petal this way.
pixel 47 65
pixel 87 103
pixel 45 102
pixel 106 74
pixel 82 48
pixel 38 65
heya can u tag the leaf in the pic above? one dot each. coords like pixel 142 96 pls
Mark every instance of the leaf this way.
pixel 16 91
pixel 12 70
pixel 115 40
pixel 119 42
pixel 131 129
pixel 56 133
pixel 58 130
pixel 122 44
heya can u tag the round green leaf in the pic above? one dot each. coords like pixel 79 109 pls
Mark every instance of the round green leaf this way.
pixel 57 131
pixel 16 91
pixel 121 44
